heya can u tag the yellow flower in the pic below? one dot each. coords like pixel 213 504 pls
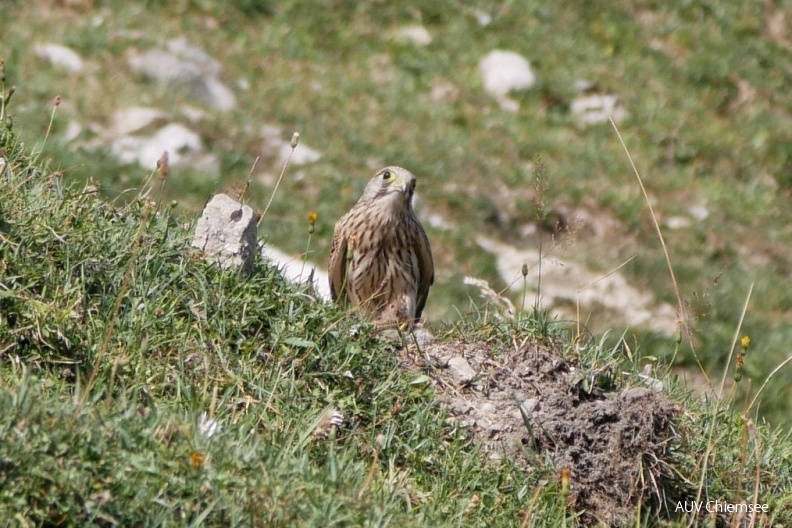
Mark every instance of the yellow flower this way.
pixel 196 459
pixel 745 342
pixel 565 478
pixel 312 217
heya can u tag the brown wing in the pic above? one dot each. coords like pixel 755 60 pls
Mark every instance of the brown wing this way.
pixel 336 266
pixel 426 270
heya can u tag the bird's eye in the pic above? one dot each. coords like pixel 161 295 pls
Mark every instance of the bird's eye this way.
pixel 387 175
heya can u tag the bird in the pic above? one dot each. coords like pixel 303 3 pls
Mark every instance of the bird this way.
pixel 380 259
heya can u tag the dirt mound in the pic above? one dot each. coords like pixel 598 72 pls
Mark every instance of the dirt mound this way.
pixel 535 398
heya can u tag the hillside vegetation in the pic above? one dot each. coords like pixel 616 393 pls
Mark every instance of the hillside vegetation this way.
pixel 704 85
pixel 140 385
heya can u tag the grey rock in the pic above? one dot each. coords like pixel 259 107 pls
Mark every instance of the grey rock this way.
pixel 298 270
pixel 635 393
pixel 226 233
pixel 60 57
pixel 461 370
pixel 184 147
pixel 215 93
pixel 129 120
pixel 416 34
pixel 183 64
pixel 506 71
pixel 186 51
pixel 163 66
pixel 593 109
pixel 423 337
pixel 530 406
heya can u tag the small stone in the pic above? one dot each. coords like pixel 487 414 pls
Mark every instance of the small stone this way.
pixel 133 119
pixel 504 72
pixel 652 383
pixel 583 85
pixel 184 64
pixel 443 91
pixel 217 94
pixel 297 270
pixel 530 406
pixel 227 234
pixel 60 56
pixel 186 51
pixel 423 337
pixel 162 66
pixel 483 18
pixel 436 221
pixel 418 35
pixel 192 113
pixel 699 212
pixel 183 145
pixel 592 109
pixel 635 393
pixel 678 222
pixel 510 105
pixel 461 370
pixel 459 406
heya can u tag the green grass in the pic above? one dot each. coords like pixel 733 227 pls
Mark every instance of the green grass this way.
pixel 116 337
pixel 107 284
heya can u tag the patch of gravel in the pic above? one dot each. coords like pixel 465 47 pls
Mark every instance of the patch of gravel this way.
pixel 535 398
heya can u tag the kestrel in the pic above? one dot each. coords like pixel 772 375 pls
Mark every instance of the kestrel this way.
pixel 380 260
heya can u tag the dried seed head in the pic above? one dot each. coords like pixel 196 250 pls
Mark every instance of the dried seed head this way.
pixel 57 101
pixel 162 164
pixel 295 139
pixel 738 368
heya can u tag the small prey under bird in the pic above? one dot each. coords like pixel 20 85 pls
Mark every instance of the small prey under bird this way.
pixel 380 260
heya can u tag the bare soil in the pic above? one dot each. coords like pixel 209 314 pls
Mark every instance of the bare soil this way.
pixel 534 400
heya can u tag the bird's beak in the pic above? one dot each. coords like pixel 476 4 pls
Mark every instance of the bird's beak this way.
pixel 404 184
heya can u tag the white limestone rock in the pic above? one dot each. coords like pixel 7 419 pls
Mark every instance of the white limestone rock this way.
pixel 593 109
pixel 504 72
pixel 296 270
pixel 60 56
pixel 461 370
pixel 227 234
pixel 416 34
pixel 183 145
pixel 183 64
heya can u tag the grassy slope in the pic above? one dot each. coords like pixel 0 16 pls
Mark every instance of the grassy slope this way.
pixel 679 72
pixel 705 85
pixel 115 339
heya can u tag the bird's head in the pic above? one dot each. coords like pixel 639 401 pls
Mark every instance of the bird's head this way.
pixel 394 184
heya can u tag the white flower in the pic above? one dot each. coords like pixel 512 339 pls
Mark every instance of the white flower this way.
pixel 208 427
